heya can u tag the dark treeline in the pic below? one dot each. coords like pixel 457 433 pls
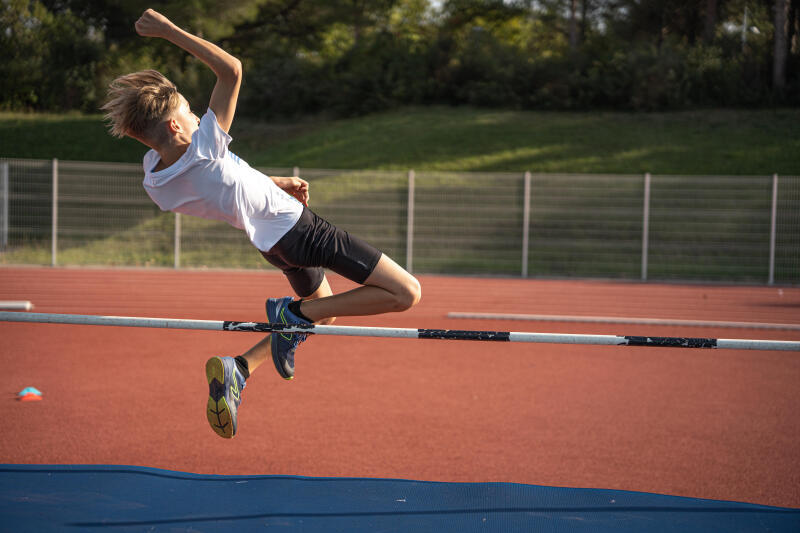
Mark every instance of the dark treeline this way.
pixel 356 56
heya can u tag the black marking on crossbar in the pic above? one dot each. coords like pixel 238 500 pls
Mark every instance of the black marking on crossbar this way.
pixel 263 326
pixel 672 342
pixel 464 335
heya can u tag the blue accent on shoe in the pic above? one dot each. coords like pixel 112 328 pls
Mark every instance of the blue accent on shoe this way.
pixel 225 385
pixel 283 345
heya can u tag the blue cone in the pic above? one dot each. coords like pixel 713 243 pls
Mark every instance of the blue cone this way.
pixel 30 390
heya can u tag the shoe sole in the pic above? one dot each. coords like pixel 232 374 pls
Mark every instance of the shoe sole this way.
pixel 217 411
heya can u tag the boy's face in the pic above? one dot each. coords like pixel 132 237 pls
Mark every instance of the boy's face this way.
pixel 187 120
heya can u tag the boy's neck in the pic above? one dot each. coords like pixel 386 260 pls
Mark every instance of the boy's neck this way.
pixel 169 155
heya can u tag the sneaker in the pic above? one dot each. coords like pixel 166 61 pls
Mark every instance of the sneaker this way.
pixel 225 384
pixel 283 345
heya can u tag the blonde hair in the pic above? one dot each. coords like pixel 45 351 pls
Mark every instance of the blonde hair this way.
pixel 139 102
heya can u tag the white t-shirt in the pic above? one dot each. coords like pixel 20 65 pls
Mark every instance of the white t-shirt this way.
pixel 211 182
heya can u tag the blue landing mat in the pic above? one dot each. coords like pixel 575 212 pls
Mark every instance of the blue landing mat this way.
pixel 40 498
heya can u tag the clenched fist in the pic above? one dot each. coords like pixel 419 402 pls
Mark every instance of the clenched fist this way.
pixel 153 24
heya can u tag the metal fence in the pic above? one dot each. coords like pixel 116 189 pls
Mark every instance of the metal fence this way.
pixel 648 227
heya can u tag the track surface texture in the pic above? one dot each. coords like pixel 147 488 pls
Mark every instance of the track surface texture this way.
pixel 715 424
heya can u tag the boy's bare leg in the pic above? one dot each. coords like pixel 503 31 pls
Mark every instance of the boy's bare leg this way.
pixel 261 351
pixel 257 354
pixel 389 288
pixel 324 291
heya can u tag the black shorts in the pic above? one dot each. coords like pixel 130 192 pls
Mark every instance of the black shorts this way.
pixel 313 244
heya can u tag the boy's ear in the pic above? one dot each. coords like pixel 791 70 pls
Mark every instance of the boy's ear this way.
pixel 173 126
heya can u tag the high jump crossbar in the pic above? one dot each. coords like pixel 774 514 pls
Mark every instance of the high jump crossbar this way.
pixel 16 305
pixel 624 320
pixel 405 333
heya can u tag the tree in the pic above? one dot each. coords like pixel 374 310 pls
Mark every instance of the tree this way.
pixel 49 57
pixel 710 26
pixel 781 48
pixel 793 35
pixel 573 24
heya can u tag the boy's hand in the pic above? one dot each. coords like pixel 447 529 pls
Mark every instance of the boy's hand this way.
pixel 294 186
pixel 153 24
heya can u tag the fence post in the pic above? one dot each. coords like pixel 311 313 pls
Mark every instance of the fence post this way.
pixel 410 226
pixel 6 215
pixel 645 225
pixel 526 219
pixel 177 240
pixel 772 229
pixel 54 231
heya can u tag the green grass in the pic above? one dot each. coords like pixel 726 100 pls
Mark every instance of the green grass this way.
pixel 466 139
pixel 699 142
pixel 71 136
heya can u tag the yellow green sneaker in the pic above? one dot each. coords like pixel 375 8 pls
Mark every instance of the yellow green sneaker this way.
pixel 225 385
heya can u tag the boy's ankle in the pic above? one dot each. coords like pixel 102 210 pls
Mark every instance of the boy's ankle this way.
pixel 242 366
pixel 294 308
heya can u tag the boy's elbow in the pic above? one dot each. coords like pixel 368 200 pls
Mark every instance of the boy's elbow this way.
pixel 230 70
pixel 236 69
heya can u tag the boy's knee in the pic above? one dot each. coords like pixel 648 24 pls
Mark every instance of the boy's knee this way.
pixel 409 295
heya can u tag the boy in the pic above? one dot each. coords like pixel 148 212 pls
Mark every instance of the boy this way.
pixel 190 170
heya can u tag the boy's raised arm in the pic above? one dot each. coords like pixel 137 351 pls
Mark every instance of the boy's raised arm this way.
pixel 227 68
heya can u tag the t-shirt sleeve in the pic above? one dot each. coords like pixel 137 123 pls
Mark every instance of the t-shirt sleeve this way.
pixel 212 141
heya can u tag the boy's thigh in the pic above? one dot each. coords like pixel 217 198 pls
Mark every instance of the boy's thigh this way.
pixel 322 291
pixel 389 275
pixel 352 257
pixel 305 281
pixel 315 242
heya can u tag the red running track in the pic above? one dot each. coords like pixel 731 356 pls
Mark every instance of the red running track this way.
pixel 715 424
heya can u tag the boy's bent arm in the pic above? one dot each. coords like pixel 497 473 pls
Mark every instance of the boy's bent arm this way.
pixel 227 68
pixel 295 186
